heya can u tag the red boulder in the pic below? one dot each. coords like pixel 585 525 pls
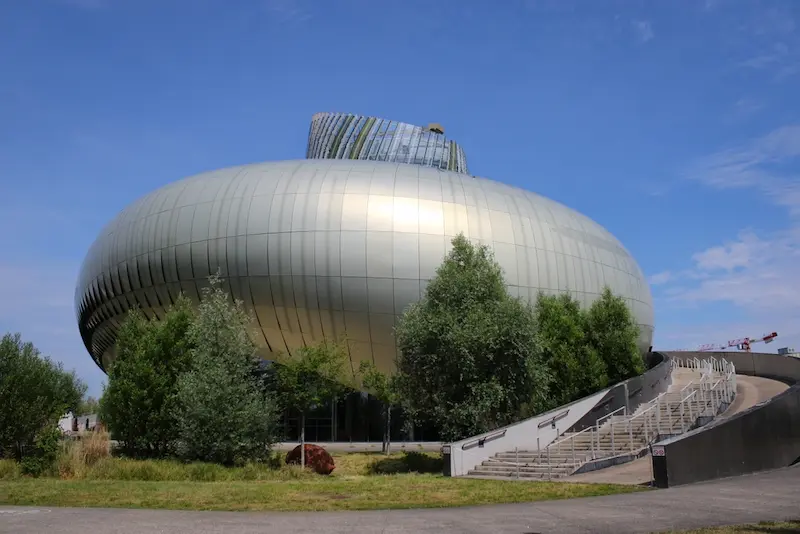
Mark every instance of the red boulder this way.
pixel 317 459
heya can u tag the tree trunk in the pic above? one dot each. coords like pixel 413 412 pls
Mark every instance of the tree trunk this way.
pixel 388 429
pixel 303 440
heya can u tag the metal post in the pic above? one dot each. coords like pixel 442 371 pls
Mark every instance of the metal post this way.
pixel 516 459
pixel 572 441
pixel 658 415
pixel 630 433
pixel 549 476
pixel 538 450
pixel 683 418
pixel 612 437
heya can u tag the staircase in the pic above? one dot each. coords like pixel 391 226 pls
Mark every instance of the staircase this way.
pixel 619 437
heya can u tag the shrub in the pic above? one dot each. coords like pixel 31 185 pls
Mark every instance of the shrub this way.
pixel 9 469
pixel 137 406
pixel 409 462
pixel 42 457
pixel 34 393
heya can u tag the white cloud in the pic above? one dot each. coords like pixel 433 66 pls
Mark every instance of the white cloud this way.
pixel 757 272
pixel 745 108
pixel 754 272
pixel 643 29
pixel 660 278
pixel 758 166
pixel 287 11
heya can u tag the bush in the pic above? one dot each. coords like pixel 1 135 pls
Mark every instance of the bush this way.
pixel 9 469
pixel 41 458
pixel 34 393
pixel 137 406
pixel 409 462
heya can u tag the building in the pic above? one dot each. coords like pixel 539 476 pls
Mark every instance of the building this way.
pixel 319 247
pixel 348 136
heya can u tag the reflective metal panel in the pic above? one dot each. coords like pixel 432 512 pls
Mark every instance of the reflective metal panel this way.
pixel 346 258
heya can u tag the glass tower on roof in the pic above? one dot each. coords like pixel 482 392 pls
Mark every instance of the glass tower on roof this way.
pixel 348 136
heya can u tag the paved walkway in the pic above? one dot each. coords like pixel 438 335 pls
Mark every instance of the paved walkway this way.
pixel 766 496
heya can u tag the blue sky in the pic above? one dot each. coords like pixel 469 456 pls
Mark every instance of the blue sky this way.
pixel 676 125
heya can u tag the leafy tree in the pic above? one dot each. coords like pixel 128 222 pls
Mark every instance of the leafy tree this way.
pixel 382 386
pixel 613 333
pixel 222 412
pixel 312 376
pixel 137 405
pixel 88 406
pixel 575 366
pixel 470 360
pixel 34 393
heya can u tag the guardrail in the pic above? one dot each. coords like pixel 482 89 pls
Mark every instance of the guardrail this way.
pixel 763 436
pixel 535 433
pixel 619 433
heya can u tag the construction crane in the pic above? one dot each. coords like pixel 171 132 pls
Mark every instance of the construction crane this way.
pixel 741 343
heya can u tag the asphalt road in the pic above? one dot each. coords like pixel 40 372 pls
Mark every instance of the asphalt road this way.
pixel 767 496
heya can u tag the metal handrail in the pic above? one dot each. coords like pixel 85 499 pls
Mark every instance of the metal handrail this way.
pixel 710 389
pixel 483 439
pixel 557 417
pixel 597 423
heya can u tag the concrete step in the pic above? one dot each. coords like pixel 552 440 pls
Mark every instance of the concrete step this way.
pixel 523 476
pixel 533 468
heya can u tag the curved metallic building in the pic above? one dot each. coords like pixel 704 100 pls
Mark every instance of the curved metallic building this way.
pixel 348 136
pixel 322 247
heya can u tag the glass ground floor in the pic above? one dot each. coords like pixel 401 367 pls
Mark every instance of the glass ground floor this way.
pixel 357 417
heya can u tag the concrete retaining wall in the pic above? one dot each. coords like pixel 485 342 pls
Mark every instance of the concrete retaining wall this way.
pixel 767 436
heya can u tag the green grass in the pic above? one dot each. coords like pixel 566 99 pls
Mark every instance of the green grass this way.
pixel 353 492
pixel 356 484
pixel 784 527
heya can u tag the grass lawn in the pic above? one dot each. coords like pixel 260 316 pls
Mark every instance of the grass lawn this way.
pixel 353 486
pixel 334 493
pixel 787 527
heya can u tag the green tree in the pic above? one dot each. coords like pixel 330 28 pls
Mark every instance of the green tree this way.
pixel 469 358
pixel 310 377
pixel 34 393
pixel 222 412
pixel 137 405
pixel 381 386
pixel 575 366
pixel 613 333
pixel 89 405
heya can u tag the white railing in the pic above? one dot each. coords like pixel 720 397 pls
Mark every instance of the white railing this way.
pixel 667 414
